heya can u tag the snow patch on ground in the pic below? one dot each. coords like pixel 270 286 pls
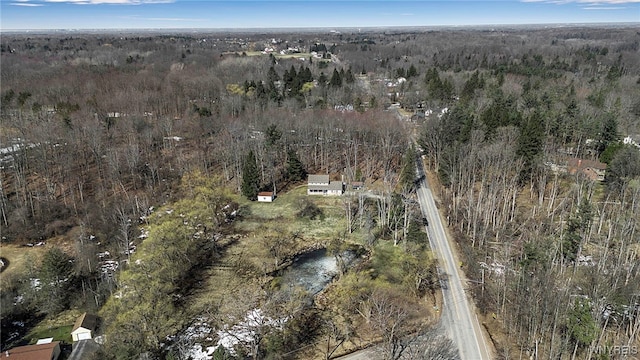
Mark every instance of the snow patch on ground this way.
pixel 188 341
pixel 244 332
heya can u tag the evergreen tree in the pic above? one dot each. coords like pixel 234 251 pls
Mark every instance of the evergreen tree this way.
pixel 469 88
pixel 447 90
pixel 408 172
pixel 581 324
pixel 272 135
pixel 272 75
pixel 8 96
pixel 457 126
pixel 609 132
pixel 250 177
pixel 412 72
pixel 322 79
pixel 295 169
pixel 290 76
pixel 261 92
pixel 530 143
pixel 336 79
pixel 624 167
pixel 305 75
pixel 502 112
pixel 348 76
pixel 55 274
pixel 610 152
pixel 438 88
pixel 576 227
pixel 431 75
pixel 286 78
pixel 274 95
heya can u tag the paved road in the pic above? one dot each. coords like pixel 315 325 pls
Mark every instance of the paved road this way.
pixel 83 350
pixel 457 316
pixel 364 354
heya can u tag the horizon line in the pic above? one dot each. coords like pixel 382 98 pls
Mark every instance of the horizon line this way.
pixel 326 28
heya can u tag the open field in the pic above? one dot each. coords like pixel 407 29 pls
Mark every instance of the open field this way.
pixel 281 215
pixel 58 327
pixel 261 224
pixel 58 333
pixel 19 257
pixel 276 55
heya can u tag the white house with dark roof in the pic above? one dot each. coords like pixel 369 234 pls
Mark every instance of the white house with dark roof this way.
pixel 322 185
pixel 84 327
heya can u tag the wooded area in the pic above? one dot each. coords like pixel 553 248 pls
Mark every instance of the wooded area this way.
pixel 136 159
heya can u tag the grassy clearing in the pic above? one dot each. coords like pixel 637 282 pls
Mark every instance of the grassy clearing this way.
pixel 19 257
pixel 246 263
pixel 277 55
pixel 60 333
pixel 59 327
pixel 282 215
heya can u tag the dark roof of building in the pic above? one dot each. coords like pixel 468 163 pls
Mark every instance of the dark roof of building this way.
pixel 86 321
pixel 265 193
pixel 315 179
pixel 335 185
pixel 32 352
pixel 584 164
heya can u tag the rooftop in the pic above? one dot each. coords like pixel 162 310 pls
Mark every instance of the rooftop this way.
pixel 86 321
pixel 32 352
pixel 316 179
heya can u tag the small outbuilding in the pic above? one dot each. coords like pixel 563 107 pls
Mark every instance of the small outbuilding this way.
pixel 84 327
pixel 266 196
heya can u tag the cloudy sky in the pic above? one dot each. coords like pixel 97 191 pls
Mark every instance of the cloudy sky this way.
pixel 156 14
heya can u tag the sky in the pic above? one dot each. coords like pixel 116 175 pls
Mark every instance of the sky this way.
pixel 239 14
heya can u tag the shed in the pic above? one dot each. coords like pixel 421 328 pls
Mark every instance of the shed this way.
pixel 84 327
pixel 266 196
pixel 48 351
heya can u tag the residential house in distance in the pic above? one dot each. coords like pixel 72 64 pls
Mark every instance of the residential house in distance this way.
pixel 266 196
pixel 84 327
pixel 322 185
pixel 47 351
pixel 593 170
pixel 357 185
pixel 633 140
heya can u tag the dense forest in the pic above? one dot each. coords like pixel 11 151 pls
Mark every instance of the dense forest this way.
pixel 136 159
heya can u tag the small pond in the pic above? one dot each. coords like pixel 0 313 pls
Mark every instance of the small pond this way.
pixel 314 270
